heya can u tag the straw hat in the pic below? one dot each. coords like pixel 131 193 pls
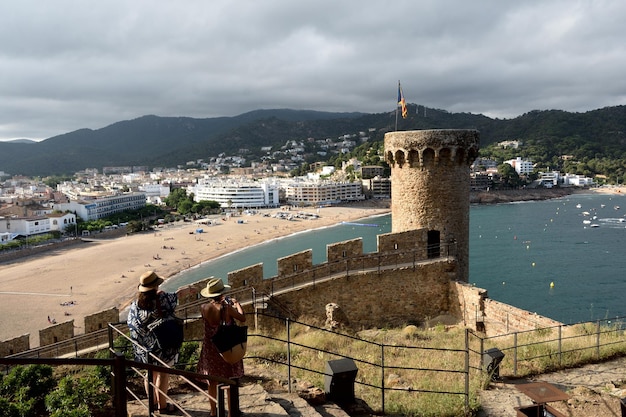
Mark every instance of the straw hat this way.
pixel 214 287
pixel 149 281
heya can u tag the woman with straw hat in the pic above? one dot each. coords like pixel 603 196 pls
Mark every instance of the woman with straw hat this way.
pixel 149 306
pixel 219 309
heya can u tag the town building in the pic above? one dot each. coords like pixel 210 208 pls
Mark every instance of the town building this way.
pixel 98 208
pixel 236 194
pixel 315 193
pixel 24 226
pixel 63 222
pixel 522 167
pixel 376 187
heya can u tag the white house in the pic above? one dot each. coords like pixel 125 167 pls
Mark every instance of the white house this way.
pixel 520 165
pixel 62 222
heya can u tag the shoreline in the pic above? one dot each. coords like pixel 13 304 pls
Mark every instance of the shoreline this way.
pixel 70 283
pixel 83 279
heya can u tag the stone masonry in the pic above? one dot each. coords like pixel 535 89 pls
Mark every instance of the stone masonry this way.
pixel 430 185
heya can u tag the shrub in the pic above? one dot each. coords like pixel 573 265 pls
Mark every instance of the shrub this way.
pixel 23 389
pixel 75 397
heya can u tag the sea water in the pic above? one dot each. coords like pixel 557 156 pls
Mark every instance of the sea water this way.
pixel 541 256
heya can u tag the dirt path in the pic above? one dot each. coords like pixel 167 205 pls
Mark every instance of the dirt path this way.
pixel 594 390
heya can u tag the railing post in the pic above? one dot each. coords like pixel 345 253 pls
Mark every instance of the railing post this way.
pixel 598 339
pixel 287 322
pixel 150 392
pixel 110 333
pixel 382 377
pixel 560 344
pixel 515 354
pixel 119 385
pixel 221 404
pixel 234 400
pixel 467 370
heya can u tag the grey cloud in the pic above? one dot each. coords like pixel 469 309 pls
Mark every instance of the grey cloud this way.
pixel 71 65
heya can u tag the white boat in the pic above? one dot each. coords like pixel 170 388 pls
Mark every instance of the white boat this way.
pixel 578 205
pixel 586 221
pixel 594 225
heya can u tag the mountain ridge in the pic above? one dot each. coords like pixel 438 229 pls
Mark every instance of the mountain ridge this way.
pixel 153 141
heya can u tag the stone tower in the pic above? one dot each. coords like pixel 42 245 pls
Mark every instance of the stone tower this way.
pixel 430 186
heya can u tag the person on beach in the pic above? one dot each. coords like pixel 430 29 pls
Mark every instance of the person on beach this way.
pixel 149 306
pixel 219 309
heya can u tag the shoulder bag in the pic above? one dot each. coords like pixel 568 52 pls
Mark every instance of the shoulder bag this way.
pixel 230 340
pixel 168 331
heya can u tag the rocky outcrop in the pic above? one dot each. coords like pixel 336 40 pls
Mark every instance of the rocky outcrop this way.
pixel 509 196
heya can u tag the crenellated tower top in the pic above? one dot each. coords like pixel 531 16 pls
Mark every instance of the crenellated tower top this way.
pixel 421 149
pixel 430 186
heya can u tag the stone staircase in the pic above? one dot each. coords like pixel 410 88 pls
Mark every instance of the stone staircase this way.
pixel 254 401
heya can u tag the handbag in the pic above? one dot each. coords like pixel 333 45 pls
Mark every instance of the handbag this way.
pixel 231 340
pixel 168 331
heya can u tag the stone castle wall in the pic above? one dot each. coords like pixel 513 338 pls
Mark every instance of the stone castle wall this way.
pixel 480 313
pixel 392 287
pixel 430 185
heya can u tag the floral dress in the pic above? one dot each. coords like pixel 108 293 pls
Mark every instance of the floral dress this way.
pixel 138 321
pixel 211 362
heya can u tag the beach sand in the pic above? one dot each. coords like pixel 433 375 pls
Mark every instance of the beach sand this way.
pixel 68 284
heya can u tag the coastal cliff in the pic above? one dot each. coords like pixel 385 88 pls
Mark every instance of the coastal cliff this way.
pixel 509 196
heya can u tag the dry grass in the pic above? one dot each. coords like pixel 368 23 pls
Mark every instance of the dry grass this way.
pixel 415 367
pixel 423 370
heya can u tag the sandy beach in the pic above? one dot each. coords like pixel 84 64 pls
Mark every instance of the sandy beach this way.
pixel 69 284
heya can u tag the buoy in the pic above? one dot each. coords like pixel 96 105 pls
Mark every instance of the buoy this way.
pixel 527 247
pixel 533 264
pixel 552 284
pixel 503 282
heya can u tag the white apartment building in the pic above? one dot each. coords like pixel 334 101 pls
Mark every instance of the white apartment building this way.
pixel 155 193
pixel 577 180
pixel 24 226
pixel 323 192
pixel 520 165
pixel 234 194
pixel 104 206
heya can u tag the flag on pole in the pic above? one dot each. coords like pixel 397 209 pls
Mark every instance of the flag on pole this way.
pixel 402 102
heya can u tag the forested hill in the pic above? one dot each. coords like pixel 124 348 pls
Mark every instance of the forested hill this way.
pixel 169 141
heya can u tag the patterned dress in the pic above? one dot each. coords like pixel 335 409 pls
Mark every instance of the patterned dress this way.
pixel 138 321
pixel 211 362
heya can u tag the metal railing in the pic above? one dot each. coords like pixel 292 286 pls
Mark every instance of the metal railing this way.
pixel 125 343
pixel 464 373
pixel 119 378
pixel 550 348
pixel 377 362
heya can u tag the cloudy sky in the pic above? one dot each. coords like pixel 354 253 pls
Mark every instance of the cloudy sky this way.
pixel 66 65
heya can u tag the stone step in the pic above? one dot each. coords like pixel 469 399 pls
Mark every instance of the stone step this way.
pixel 254 401
pixel 299 407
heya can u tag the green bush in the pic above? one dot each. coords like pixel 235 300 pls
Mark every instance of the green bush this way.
pixel 188 356
pixel 23 389
pixel 75 397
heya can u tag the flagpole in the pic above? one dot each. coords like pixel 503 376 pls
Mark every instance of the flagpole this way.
pixel 396 117
pixel 397 107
